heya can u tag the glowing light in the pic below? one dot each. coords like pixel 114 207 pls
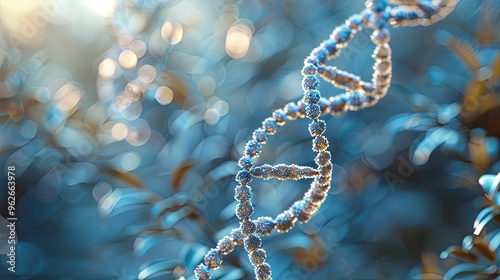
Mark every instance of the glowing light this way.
pixel 138 47
pixel 206 85
pixel 222 107
pixel 127 59
pixel 133 111
pixel 211 116
pixel 103 7
pixel 238 40
pixel 147 74
pixel 67 97
pixel 119 131
pixel 130 161
pixel 139 133
pixel 164 95
pixel 172 32
pixel 107 68
pixel 120 103
pixel 137 22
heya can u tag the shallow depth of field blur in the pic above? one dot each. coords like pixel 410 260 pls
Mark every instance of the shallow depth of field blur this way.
pixel 125 119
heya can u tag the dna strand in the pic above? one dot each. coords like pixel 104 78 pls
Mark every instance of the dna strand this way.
pixel 359 94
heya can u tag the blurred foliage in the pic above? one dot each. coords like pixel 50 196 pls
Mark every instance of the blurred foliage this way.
pixel 477 258
pixel 125 139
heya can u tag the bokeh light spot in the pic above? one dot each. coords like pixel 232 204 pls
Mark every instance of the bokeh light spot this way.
pixel 138 47
pixel 238 40
pixel 206 85
pixel 127 59
pixel 103 7
pixel 107 68
pixel 211 116
pixel 172 32
pixel 119 131
pixel 130 161
pixel 67 97
pixel 147 74
pixel 164 95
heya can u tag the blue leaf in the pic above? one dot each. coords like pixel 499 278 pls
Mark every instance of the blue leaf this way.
pixel 119 201
pixel 171 219
pixel 484 217
pixel 157 268
pixel 490 183
pixel 462 270
pixel 191 255
pixel 411 121
pixel 177 200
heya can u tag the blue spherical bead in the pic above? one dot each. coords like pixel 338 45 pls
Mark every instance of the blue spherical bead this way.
pixel 310 82
pixel 313 111
pixel 309 69
pixel 245 162
pixel 252 243
pixel 320 53
pixel 213 259
pixel 320 144
pixel 297 210
pixel 284 221
pixel 341 33
pixel 237 236
pixel 317 128
pixel 258 257
pixel 377 5
pixel 264 225
pixel 292 111
pixel 356 101
pixel 260 135
pixel 412 14
pixel 253 148
pixel 379 20
pixel 279 115
pixel 247 227
pixel 242 193
pixel 398 14
pixel 311 96
pixel 269 125
pixel 201 272
pixel 354 21
pixel 225 245
pixel 263 272
pixel 243 177
pixel 323 158
pixel 244 210
pixel 311 59
pixel 331 47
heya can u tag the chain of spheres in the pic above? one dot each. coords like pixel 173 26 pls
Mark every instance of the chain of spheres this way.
pixel 359 94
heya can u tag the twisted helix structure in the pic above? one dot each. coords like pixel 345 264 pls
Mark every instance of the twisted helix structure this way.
pixel 359 94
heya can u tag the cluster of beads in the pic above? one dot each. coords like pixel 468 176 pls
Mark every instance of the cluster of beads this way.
pixel 359 94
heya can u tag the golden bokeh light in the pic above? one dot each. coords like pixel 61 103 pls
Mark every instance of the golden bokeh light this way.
pixel 107 68
pixel 146 74
pixel 172 32
pixel 138 47
pixel 238 40
pixel 119 131
pixel 103 7
pixel 127 59
pixel 206 85
pixel 164 95
pixel 211 116
pixel 67 97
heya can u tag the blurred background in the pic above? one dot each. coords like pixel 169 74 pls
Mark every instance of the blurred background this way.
pixel 125 119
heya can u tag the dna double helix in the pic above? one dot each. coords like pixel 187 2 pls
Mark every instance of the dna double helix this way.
pixel 359 94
